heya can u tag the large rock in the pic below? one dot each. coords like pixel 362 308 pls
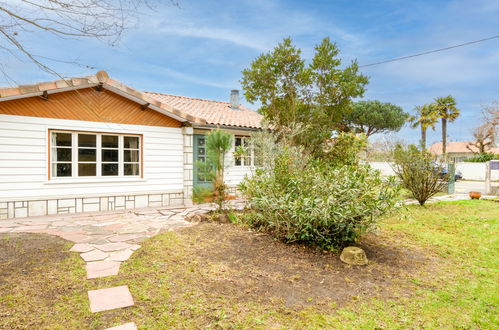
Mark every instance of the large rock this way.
pixel 353 255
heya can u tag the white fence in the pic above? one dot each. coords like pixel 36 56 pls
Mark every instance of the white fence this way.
pixel 470 171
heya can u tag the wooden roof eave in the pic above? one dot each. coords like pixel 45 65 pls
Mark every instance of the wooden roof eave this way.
pixel 47 91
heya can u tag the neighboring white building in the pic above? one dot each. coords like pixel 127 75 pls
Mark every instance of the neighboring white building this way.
pixel 458 151
pixel 94 144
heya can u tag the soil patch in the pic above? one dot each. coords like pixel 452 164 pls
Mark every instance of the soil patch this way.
pixel 24 253
pixel 253 266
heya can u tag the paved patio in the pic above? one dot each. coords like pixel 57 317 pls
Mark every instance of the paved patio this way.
pixel 111 236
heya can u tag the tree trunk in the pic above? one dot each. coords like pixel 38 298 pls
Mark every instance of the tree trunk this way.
pixel 482 147
pixel 444 137
pixel 423 137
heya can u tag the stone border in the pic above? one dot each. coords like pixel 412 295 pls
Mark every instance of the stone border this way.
pixel 74 205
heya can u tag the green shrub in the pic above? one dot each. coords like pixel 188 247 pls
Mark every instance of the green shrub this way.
pixel 418 172
pixel 482 158
pixel 306 200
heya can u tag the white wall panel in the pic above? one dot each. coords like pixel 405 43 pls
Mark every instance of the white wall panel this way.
pixel 23 159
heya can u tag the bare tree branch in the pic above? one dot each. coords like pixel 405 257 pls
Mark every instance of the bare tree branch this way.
pixel 486 134
pixel 105 20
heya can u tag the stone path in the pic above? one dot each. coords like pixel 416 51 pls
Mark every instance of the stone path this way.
pixel 105 240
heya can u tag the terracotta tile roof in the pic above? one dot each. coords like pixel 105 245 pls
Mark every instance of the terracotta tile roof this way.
pixel 213 112
pixel 457 147
pixel 49 86
pixel 196 111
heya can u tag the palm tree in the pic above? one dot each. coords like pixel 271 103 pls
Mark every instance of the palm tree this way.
pixel 426 117
pixel 447 111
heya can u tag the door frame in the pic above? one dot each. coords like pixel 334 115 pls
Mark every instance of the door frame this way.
pixel 197 146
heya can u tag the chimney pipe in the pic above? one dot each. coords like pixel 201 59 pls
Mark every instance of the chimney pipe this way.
pixel 234 99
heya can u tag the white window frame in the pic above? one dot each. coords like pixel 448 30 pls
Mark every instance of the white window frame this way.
pixel 74 156
pixel 251 150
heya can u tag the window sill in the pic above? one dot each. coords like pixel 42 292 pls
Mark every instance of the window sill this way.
pixel 94 180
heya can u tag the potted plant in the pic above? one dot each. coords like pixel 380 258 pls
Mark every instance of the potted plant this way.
pixel 475 194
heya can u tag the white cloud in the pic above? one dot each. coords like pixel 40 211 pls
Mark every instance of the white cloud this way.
pixel 221 34
pixel 194 79
pixel 255 25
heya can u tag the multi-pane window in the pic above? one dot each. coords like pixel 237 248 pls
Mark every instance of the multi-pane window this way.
pixel 85 154
pixel 110 151
pixel 62 154
pixel 245 153
pixel 131 153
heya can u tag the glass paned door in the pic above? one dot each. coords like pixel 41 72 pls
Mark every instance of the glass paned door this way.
pixel 200 155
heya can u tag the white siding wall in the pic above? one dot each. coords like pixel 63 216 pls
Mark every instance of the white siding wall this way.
pixel 23 159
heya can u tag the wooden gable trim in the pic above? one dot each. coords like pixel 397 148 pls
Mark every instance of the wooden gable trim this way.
pixel 87 104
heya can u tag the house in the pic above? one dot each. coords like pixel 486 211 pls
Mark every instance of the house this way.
pixel 458 151
pixel 94 144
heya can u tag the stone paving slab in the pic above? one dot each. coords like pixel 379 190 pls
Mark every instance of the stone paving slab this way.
pixel 81 247
pixel 134 247
pixel 109 247
pixel 30 228
pixel 61 223
pixel 121 255
pixel 76 238
pixel 126 326
pixel 124 238
pixel 8 223
pixel 98 269
pixel 133 228
pixel 110 298
pixel 94 255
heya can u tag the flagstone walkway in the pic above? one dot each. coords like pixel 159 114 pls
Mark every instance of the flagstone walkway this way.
pixel 105 240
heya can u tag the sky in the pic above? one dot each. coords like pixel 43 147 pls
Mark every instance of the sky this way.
pixel 199 49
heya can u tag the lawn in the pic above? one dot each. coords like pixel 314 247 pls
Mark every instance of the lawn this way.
pixel 432 267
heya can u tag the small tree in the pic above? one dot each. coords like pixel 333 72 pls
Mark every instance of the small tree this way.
pixel 218 144
pixel 484 139
pixel 490 114
pixel 419 172
pixel 371 117
pixel 345 149
pixel 293 94
pixel 485 134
